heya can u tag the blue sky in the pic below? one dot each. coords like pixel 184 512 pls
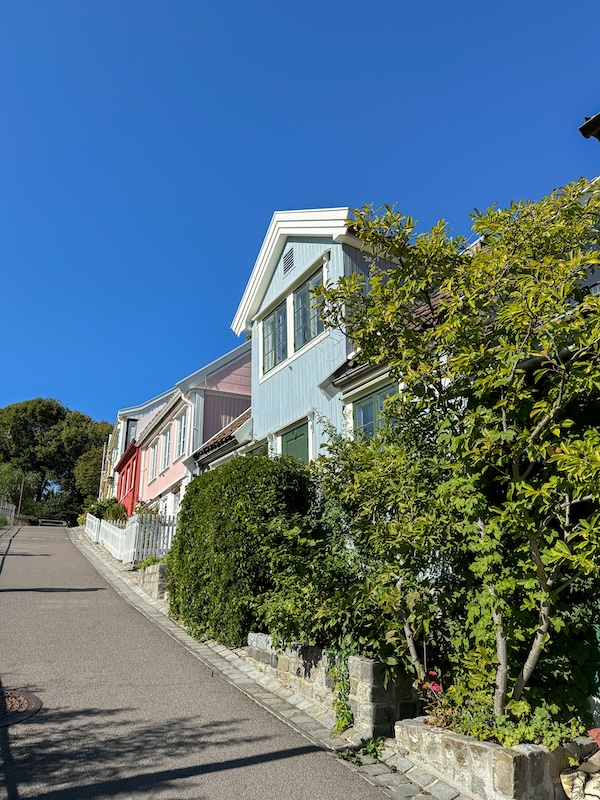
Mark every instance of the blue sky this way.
pixel 145 144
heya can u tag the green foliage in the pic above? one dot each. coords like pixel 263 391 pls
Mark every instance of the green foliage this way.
pixel 372 747
pixel 43 440
pixel 86 473
pixel 116 512
pixel 109 509
pixel 4 521
pixel 232 519
pixel 497 350
pixel 349 755
pixel 369 747
pixel 149 561
pixel 11 480
pixel 337 671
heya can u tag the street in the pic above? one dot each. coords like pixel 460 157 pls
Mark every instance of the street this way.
pixel 127 711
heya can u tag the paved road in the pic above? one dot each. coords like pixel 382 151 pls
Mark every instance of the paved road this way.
pixel 129 713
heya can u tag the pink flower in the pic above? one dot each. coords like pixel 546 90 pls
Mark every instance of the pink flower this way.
pixel 435 686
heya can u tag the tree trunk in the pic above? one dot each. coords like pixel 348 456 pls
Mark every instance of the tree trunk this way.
pixel 534 651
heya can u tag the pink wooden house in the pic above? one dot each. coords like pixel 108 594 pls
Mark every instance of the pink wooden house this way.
pixel 202 404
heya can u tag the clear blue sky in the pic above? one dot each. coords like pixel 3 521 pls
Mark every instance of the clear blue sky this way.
pixel 145 144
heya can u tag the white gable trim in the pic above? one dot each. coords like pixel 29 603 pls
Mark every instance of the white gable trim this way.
pixel 196 379
pixel 310 222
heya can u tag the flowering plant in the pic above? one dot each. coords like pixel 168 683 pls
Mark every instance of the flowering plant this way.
pixel 439 704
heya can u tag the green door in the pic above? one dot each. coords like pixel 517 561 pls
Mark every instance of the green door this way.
pixel 295 443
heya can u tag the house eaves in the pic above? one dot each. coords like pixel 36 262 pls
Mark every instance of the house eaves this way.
pixel 308 222
pixel 135 411
pixel 158 419
pixel 197 379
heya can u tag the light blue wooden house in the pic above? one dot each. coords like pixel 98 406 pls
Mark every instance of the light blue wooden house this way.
pixel 304 377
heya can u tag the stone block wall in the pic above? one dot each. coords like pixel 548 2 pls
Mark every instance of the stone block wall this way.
pixel 484 770
pixel 303 669
pixel 375 706
pixel 153 580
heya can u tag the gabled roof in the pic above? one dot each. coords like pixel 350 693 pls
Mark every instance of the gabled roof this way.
pixel 309 222
pixel 134 412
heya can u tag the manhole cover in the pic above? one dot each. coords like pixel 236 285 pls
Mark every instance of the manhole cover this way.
pixel 15 706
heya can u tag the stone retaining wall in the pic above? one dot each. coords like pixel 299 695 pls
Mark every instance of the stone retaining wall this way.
pixel 303 669
pixel 153 580
pixel 487 771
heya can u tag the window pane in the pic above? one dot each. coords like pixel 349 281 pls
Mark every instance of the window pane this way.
pixel 368 410
pixel 281 334
pixel 364 416
pixel 301 315
pixel 268 343
pixel 307 323
pixel 274 338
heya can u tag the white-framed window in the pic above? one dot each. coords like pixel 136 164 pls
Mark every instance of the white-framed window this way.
pixel 367 410
pixel 153 456
pixel 274 330
pixel 180 434
pixel 307 319
pixel 165 453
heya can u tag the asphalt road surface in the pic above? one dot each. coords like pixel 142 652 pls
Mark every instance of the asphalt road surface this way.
pixel 127 712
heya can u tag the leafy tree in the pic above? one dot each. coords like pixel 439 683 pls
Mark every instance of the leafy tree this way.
pixel 11 480
pixel 497 350
pixel 44 440
pixel 86 473
pixel 26 430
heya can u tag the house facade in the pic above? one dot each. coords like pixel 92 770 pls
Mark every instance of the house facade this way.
pixel 129 424
pixel 294 359
pixel 128 477
pixel 201 405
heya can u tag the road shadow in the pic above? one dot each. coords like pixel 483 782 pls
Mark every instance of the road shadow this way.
pixel 97 754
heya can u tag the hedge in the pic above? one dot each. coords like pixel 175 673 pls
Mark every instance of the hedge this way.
pixel 231 517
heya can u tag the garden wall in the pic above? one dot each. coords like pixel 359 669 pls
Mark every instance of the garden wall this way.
pixel 303 669
pixel 488 771
pixel 153 580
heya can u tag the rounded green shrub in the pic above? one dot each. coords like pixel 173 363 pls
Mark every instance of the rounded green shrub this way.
pixel 219 565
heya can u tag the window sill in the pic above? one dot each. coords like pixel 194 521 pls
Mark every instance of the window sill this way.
pixel 298 353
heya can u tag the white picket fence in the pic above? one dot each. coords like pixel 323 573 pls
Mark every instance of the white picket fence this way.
pixel 141 536
pixel 8 510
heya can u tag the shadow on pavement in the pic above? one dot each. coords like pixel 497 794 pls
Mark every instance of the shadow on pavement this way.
pixel 98 753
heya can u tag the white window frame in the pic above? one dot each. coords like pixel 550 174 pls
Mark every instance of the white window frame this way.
pixel 152 461
pixel 361 393
pixel 286 300
pixel 181 434
pixel 165 449
pixel 314 322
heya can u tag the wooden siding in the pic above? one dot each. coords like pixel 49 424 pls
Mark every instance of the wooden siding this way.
pixel 357 261
pixel 236 377
pixel 291 393
pixel 306 250
pixel 220 410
